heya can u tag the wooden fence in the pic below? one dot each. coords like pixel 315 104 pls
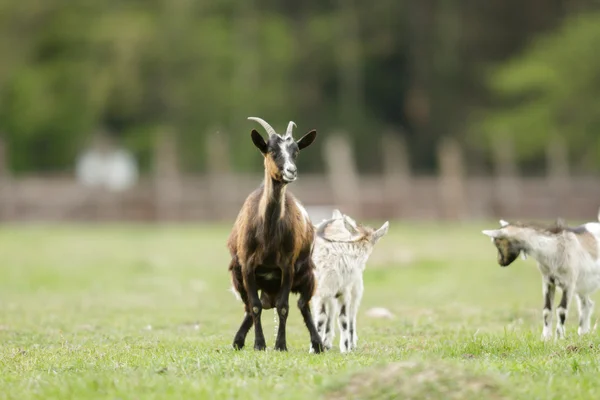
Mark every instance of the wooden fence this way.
pixel 169 195
pixel 61 199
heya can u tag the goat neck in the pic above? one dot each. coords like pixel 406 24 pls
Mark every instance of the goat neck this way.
pixel 547 249
pixel 272 202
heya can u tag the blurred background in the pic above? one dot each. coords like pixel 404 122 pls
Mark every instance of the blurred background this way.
pixel 430 109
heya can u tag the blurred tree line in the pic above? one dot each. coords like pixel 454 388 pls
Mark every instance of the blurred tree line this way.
pixel 471 69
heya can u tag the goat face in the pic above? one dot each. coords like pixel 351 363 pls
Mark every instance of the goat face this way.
pixel 280 151
pixel 508 251
pixel 508 242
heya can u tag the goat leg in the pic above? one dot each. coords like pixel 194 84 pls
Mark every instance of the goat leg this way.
pixel 562 310
pixel 240 337
pixel 332 309
pixel 255 308
pixel 586 307
pixel 548 290
pixel 238 284
pixel 356 297
pixel 343 321
pixel 316 344
pixel 283 307
pixel 318 309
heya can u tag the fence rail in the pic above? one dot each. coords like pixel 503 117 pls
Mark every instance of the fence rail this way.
pixel 200 198
pixel 171 195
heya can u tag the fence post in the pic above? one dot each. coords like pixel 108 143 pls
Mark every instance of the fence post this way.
pixel 167 176
pixel 557 163
pixel 396 172
pixel 221 185
pixel 452 179
pixel 342 174
pixel 507 197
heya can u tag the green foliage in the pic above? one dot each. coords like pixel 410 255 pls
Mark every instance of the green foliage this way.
pixel 133 67
pixel 552 89
pixel 70 68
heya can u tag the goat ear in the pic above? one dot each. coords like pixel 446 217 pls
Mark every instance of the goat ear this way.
pixel 258 141
pixel 307 139
pixel 352 221
pixel 337 214
pixel 494 233
pixel 379 233
pixel 350 226
pixel 503 223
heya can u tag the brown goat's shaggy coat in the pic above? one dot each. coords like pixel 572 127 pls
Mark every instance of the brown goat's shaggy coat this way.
pixel 271 244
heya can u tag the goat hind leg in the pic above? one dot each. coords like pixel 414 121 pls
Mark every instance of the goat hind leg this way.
pixel 586 306
pixel 240 337
pixel 316 344
pixel 344 321
pixel 562 310
pixel 357 293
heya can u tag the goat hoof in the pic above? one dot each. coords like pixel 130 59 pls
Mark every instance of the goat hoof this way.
pixel 316 347
pixel 238 344
pixel 281 347
pixel 260 346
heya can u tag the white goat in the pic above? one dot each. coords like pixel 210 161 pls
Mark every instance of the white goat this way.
pixel 566 257
pixel 341 250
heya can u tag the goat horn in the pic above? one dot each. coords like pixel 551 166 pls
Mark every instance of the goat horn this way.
pixel 290 127
pixel 268 128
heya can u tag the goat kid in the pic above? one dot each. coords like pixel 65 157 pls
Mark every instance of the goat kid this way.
pixel 566 257
pixel 271 243
pixel 342 248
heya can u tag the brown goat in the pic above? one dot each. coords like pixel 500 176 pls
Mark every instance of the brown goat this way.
pixel 271 243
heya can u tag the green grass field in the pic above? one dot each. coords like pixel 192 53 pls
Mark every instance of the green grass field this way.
pixel 118 312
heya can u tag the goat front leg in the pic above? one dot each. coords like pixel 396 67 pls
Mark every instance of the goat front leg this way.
pixel 562 310
pixel 357 293
pixel 306 293
pixel 238 284
pixel 331 310
pixel 586 306
pixel 255 308
pixel 548 290
pixel 344 322
pixel 283 307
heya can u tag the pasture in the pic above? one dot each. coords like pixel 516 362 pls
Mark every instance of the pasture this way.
pixel 144 312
